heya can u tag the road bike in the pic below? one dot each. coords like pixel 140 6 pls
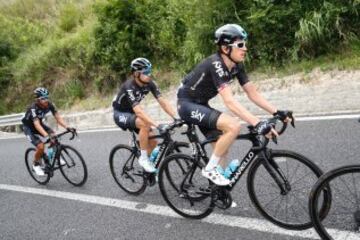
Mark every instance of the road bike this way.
pixel 278 181
pixel 124 166
pixel 73 166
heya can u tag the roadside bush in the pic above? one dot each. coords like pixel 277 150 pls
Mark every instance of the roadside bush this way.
pixel 69 17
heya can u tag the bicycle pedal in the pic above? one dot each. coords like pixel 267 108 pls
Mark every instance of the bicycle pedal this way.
pixel 151 180
pixel 222 198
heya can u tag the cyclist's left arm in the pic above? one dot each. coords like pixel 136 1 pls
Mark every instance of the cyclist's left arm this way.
pixel 254 95
pixel 57 116
pixel 166 106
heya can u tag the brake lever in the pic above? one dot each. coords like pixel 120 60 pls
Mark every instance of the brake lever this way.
pixel 290 115
pixel 274 139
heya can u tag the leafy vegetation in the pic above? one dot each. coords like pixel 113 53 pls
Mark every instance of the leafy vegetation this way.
pixel 81 49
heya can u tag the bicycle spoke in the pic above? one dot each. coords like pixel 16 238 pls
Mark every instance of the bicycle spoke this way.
pixel 271 201
pixel 278 207
pixel 293 174
pixel 347 187
pixel 342 193
pixel 301 204
pixel 301 178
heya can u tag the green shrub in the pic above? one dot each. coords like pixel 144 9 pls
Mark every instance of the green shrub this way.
pixel 74 89
pixel 69 17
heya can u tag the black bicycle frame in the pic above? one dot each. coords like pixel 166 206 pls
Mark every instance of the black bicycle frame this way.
pixel 256 151
pixel 166 144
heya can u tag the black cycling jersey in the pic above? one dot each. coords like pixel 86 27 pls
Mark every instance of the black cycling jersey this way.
pixel 208 78
pixel 131 94
pixel 36 112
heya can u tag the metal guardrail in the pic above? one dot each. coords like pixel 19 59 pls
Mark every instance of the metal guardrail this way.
pixel 11 120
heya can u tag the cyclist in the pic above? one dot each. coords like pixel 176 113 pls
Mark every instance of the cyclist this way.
pixel 128 114
pixel 35 130
pixel 211 77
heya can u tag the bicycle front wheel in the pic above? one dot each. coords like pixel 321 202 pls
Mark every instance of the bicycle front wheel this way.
pixel 126 171
pixel 74 170
pixel 343 219
pixel 296 174
pixel 29 156
pixel 183 188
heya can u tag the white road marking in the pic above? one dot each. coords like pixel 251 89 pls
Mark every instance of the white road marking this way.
pixel 298 119
pixel 219 219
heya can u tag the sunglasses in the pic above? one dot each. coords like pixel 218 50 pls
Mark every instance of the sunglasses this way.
pixel 147 72
pixel 43 98
pixel 238 44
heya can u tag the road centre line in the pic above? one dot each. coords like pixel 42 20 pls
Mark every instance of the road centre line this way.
pixel 218 219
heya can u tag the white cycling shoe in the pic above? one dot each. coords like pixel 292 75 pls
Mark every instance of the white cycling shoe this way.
pixel 216 177
pixel 38 170
pixel 147 165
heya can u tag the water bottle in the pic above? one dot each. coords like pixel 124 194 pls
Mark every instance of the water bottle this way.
pixel 154 154
pixel 231 168
pixel 50 154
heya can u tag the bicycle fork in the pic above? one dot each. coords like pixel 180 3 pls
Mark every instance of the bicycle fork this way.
pixel 276 173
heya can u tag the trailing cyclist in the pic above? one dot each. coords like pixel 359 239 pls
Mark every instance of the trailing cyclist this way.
pixel 35 130
pixel 128 114
pixel 211 77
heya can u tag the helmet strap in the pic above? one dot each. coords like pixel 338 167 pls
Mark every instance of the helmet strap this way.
pixel 228 54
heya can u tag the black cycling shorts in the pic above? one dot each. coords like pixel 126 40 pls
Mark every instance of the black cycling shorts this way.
pixel 125 120
pixel 34 136
pixel 202 115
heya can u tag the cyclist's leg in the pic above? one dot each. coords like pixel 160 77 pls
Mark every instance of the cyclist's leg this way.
pixel 223 158
pixel 144 133
pixel 152 143
pixel 146 144
pixel 207 118
pixel 127 120
pixel 35 140
pixel 230 127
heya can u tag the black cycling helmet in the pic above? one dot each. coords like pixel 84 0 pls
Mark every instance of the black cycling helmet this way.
pixel 141 65
pixel 41 92
pixel 228 33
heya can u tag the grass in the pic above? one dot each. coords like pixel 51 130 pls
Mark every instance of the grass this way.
pixel 348 58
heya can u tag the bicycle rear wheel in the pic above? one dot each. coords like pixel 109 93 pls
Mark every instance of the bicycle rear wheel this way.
pixel 29 156
pixel 126 171
pixel 343 219
pixel 74 170
pixel 288 209
pixel 183 188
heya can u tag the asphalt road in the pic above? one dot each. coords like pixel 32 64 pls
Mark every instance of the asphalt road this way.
pixel 95 213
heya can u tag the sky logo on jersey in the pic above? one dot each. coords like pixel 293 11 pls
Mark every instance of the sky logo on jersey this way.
pixel 122 119
pixel 219 69
pixel 131 95
pixel 197 115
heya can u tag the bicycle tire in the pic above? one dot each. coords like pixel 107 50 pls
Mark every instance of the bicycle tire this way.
pixel 298 204
pixel 328 179
pixel 74 177
pixel 29 155
pixel 191 194
pixel 137 170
